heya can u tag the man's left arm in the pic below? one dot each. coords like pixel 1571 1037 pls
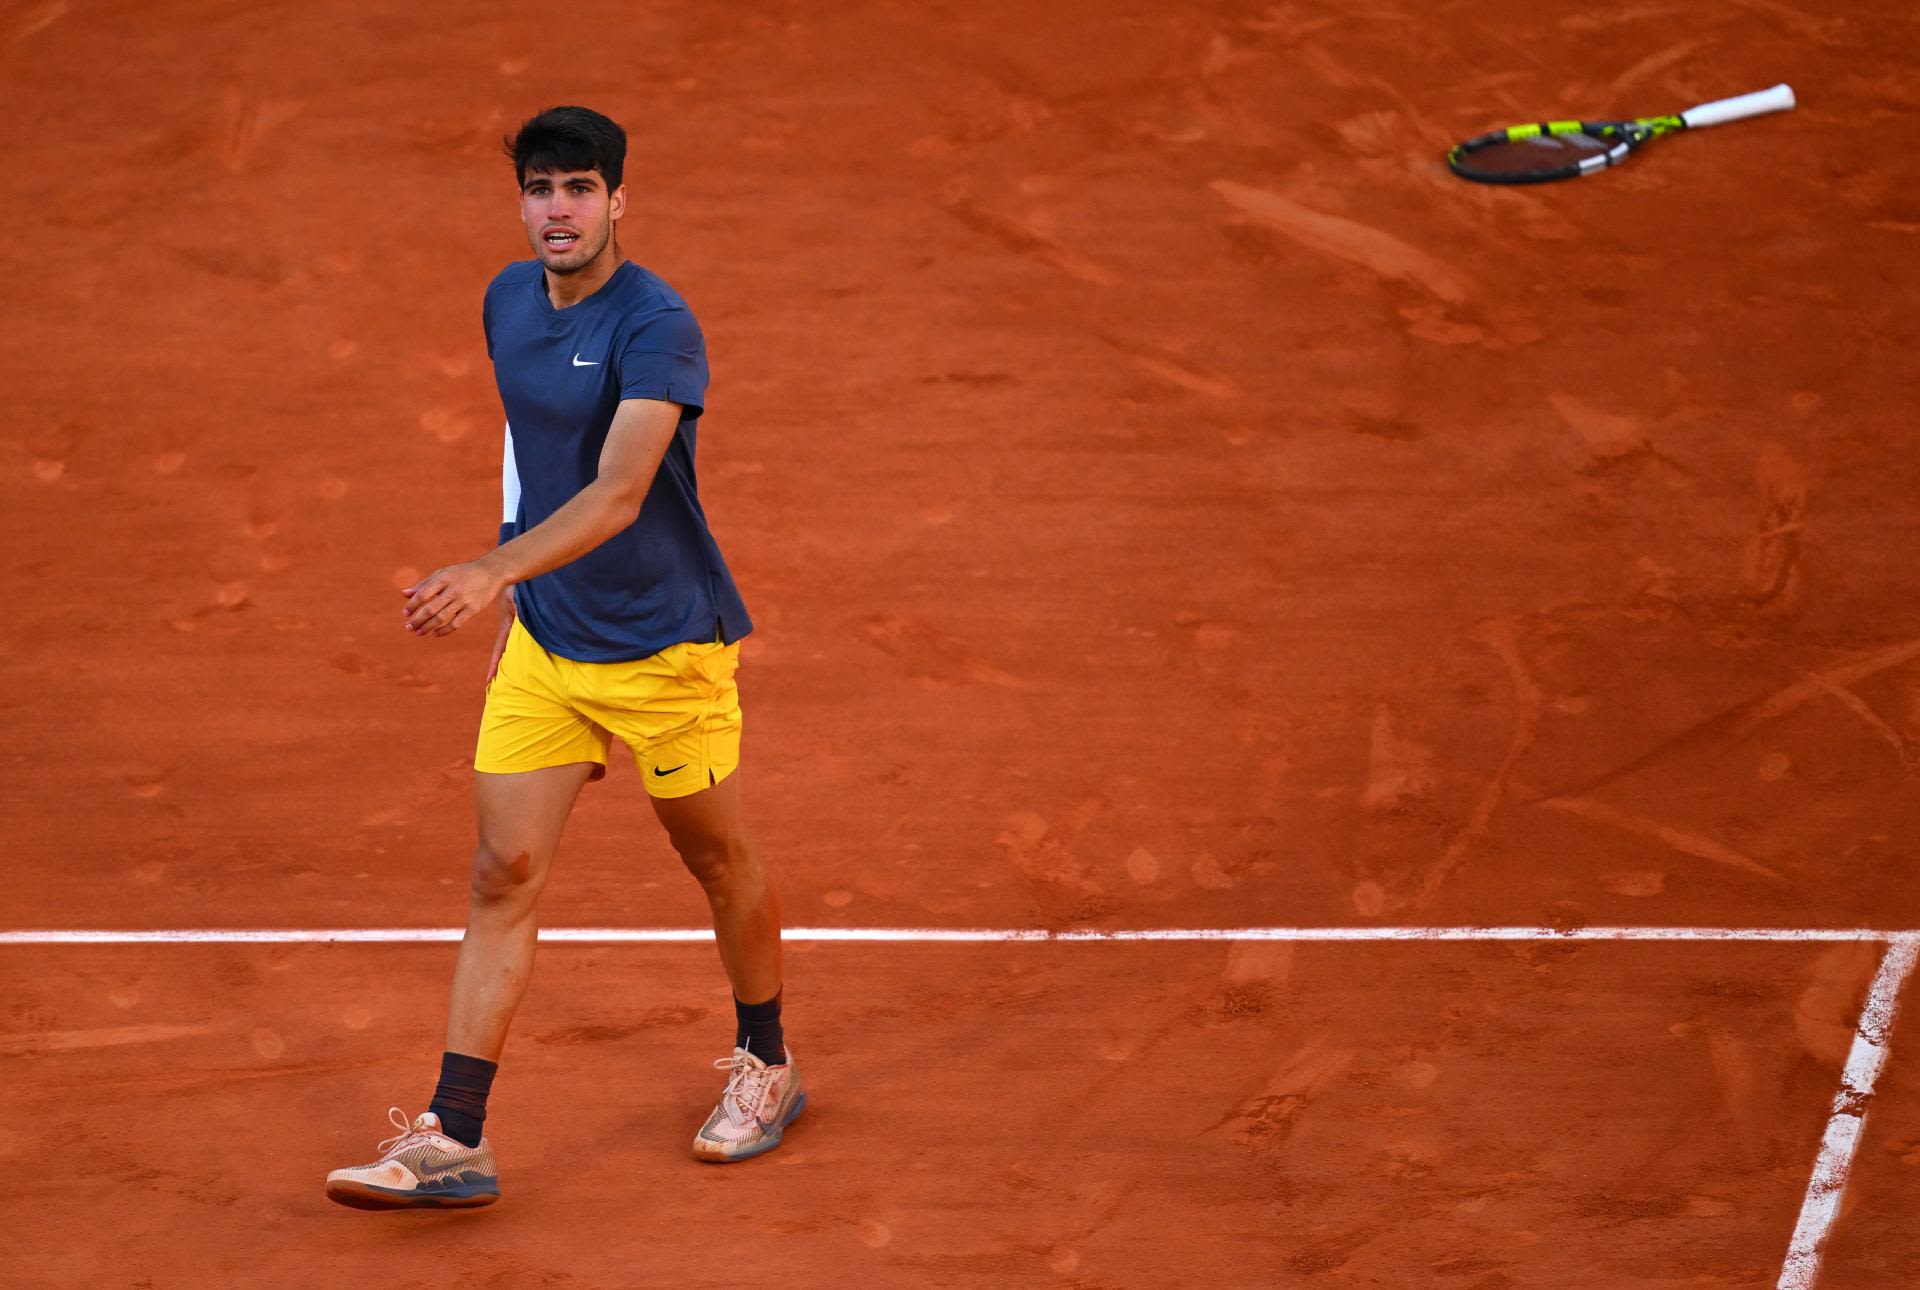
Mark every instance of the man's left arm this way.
pixel 642 429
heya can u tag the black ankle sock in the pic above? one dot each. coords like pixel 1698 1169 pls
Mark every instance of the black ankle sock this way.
pixel 460 1099
pixel 757 1029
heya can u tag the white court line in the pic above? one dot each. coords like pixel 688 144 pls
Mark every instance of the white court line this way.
pixel 1838 1144
pixel 914 935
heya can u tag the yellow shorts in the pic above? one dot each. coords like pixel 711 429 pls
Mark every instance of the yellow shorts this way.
pixel 678 711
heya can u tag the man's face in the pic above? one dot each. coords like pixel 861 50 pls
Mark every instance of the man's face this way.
pixel 569 217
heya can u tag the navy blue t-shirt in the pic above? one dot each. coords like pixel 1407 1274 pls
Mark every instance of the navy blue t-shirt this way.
pixel 562 373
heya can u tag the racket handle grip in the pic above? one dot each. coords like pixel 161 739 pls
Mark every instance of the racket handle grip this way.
pixel 1777 99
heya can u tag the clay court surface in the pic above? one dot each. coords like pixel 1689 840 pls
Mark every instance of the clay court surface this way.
pixel 1167 499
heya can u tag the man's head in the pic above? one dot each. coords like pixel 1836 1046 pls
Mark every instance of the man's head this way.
pixel 569 161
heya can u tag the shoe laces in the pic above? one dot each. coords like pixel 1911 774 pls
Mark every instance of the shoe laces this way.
pixel 397 1143
pixel 747 1085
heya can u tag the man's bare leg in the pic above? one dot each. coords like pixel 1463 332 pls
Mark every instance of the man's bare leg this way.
pixel 709 830
pixel 520 817
pixel 763 1093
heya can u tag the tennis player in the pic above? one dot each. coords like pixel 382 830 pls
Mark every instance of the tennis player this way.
pixel 619 618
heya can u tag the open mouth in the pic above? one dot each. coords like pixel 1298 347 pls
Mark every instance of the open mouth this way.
pixel 560 239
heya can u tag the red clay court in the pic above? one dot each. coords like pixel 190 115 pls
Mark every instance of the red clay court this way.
pixel 1196 544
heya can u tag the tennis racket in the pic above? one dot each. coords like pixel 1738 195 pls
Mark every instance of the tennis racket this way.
pixel 1534 154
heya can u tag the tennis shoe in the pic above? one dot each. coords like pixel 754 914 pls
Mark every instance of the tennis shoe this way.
pixel 419 1168
pixel 758 1104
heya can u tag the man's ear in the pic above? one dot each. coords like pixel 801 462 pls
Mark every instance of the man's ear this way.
pixel 617 202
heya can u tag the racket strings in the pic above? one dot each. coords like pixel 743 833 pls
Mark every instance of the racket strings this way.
pixel 1554 149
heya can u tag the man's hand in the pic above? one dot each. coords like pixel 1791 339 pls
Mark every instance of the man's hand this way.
pixel 440 602
pixel 507 611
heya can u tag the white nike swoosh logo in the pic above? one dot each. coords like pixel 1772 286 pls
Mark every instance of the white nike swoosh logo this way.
pixel 578 363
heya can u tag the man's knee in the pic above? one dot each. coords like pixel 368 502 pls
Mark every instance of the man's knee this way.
pixel 503 872
pixel 718 862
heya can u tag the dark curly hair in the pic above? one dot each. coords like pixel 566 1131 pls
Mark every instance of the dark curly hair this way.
pixel 563 139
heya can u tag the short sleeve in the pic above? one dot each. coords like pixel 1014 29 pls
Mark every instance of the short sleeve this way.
pixel 663 356
pixel 486 319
